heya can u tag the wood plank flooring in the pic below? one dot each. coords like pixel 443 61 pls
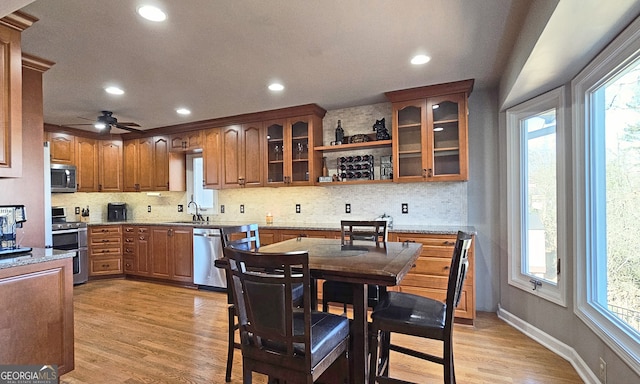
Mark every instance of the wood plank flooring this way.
pixel 138 332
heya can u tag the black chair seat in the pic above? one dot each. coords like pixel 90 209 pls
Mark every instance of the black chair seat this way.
pixel 327 331
pixel 341 292
pixel 407 310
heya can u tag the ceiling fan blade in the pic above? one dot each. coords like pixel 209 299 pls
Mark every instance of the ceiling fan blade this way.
pixel 119 125
pixel 130 124
pixel 69 125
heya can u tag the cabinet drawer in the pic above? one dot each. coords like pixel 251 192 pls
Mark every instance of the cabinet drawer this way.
pixel 105 250
pixel 438 266
pixel 128 230
pixel 432 245
pixel 108 229
pixel 129 250
pixel 111 241
pixel 128 264
pixel 105 266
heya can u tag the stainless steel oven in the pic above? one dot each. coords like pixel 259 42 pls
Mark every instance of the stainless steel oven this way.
pixel 71 236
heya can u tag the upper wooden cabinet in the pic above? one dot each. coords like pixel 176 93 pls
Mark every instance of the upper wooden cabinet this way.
pixel 242 156
pixel 110 166
pixel 430 132
pixel 11 27
pixel 62 147
pixel 290 158
pixel 86 155
pixel 211 154
pixel 146 164
pixel 187 141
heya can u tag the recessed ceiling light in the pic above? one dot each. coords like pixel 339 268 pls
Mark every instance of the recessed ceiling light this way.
pixel 420 59
pixel 114 90
pixel 183 111
pixel 152 13
pixel 276 87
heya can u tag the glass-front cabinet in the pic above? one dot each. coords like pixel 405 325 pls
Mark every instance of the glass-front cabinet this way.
pixel 290 156
pixel 430 131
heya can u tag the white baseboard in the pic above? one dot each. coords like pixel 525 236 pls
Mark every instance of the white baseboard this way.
pixel 559 348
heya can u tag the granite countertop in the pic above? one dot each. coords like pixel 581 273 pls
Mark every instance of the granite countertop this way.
pixel 36 255
pixel 425 229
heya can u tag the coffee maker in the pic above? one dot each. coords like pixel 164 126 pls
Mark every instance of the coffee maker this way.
pixel 116 212
pixel 11 218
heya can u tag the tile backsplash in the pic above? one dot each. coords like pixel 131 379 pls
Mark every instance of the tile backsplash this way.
pixel 428 204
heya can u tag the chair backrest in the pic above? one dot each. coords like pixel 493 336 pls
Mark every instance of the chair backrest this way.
pixel 374 230
pixel 244 237
pixel 263 285
pixel 457 274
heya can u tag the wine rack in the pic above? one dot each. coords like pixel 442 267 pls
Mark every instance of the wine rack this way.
pixel 358 167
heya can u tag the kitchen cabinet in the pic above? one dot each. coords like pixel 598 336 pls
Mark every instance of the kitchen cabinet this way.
pixel 290 158
pixel 430 275
pixel 11 27
pixel 172 253
pixel 62 148
pixel 86 160
pixel 105 250
pixel 186 141
pixel 242 156
pixel 146 164
pixel 110 168
pixel 430 132
pixel 136 250
pixel 211 155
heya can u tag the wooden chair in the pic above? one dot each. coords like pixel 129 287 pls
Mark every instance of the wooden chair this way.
pixel 290 344
pixel 419 316
pixel 340 292
pixel 244 237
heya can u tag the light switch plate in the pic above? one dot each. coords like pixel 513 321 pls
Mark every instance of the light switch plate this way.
pixel 347 208
pixel 222 208
pixel 405 208
pixel 148 208
pixel 241 208
pixel 180 208
pixel 297 208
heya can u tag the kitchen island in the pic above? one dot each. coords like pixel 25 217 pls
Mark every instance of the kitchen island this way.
pixel 36 297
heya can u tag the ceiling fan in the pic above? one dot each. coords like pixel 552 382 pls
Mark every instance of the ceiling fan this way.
pixel 106 121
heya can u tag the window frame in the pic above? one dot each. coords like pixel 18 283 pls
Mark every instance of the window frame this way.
pixel 516 207
pixel 191 185
pixel 623 51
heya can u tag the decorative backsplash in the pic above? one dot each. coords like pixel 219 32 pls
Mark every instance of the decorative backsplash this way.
pixel 428 203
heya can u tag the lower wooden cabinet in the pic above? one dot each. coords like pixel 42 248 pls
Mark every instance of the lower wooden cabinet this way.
pixel 105 250
pixel 430 275
pixel 171 253
pixel 136 250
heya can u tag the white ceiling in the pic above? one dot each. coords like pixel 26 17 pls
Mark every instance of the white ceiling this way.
pixel 217 57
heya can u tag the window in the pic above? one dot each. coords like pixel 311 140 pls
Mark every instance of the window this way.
pixel 606 135
pixel 207 199
pixel 536 196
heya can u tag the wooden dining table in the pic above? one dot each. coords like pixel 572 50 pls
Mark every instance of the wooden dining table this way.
pixel 359 263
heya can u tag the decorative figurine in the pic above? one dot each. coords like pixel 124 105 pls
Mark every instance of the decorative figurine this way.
pixel 339 133
pixel 381 130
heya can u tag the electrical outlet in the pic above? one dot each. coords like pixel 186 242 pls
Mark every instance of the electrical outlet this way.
pixel 405 208
pixel 297 208
pixel 148 208
pixel 77 210
pixel 180 208
pixel 603 371
pixel 347 208
pixel 241 208
pixel 222 208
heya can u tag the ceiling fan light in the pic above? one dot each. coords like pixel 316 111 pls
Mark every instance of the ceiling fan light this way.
pixel 100 125
pixel 152 13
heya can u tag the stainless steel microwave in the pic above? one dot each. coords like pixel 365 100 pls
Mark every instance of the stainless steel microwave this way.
pixel 63 178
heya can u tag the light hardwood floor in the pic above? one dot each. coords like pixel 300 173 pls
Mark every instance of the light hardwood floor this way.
pixel 137 332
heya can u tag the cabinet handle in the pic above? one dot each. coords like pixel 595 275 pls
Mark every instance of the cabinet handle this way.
pixel 105 251
pixel 424 172
pixel 99 187
pixel 430 173
pixel 449 243
pixel 105 240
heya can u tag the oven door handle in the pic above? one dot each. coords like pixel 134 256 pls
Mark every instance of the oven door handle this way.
pixel 73 230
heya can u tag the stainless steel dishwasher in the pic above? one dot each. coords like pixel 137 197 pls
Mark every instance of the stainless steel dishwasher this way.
pixel 207 247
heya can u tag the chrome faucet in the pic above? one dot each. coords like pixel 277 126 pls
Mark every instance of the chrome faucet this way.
pixel 198 215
